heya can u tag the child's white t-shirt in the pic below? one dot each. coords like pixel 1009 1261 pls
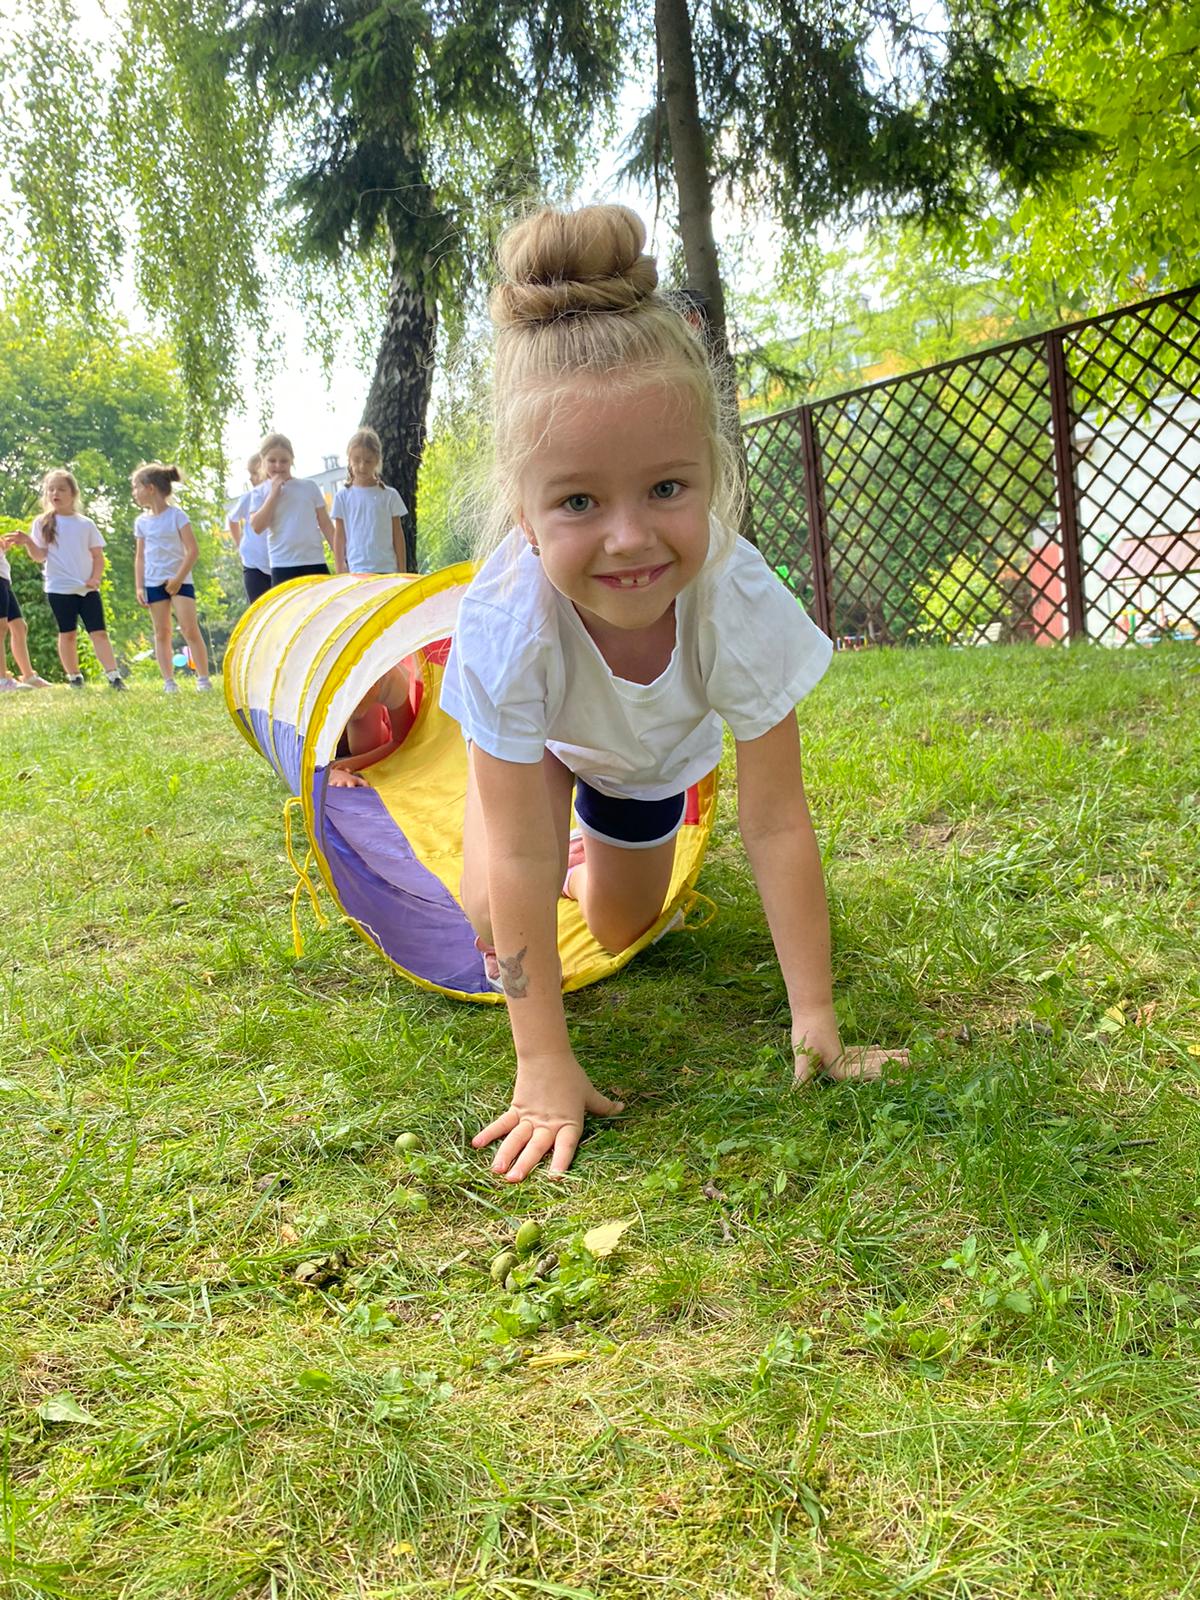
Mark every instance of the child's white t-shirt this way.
pixel 68 563
pixel 524 675
pixel 253 546
pixel 367 512
pixel 161 536
pixel 5 567
pixel 293 537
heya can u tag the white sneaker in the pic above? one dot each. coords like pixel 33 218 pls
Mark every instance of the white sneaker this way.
pixel 170 686
pixel 8 683
pixel 35 681
pixel 203 685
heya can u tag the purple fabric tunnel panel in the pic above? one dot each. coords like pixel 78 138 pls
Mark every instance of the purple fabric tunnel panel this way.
pixel 409 912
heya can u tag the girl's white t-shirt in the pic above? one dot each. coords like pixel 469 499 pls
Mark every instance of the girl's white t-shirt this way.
pixel 253 546
pixel 367 513
pixel 524 675
pixel 293 537
pixel 161 536
pixel 5 567
pixel 68 563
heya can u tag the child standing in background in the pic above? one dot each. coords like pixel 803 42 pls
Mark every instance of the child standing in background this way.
pixel 12 628
pixel 251 546
pixel 69 547
pixel 166 553
pixel 291 513
pixel 366 513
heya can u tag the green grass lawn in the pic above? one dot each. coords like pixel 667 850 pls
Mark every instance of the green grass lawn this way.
pixel 938 1336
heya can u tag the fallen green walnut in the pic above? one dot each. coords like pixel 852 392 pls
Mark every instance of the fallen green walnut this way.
pixel 405 1142
pixel 502 1265
pixel 529 1236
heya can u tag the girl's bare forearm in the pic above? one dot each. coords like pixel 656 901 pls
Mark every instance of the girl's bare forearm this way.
pixel 787 869
pixel 523 895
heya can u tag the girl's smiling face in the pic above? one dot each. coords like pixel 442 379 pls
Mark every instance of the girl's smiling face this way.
pixel 616 497
pixel 277 463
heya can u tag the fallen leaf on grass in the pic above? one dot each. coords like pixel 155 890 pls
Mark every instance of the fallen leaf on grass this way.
pixel 603 1240
pixel 64 1407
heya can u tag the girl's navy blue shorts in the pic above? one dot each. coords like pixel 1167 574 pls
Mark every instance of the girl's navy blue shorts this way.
pixel 10 610
pixel 72 609
pixel 631 824
pixel 157 592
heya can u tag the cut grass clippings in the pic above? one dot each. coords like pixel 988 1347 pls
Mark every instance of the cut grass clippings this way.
pixel 935 1337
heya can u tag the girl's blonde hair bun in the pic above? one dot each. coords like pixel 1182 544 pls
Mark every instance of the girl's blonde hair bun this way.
pixel 564 263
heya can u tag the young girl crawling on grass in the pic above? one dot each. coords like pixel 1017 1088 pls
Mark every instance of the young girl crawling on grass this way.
pixel 617 626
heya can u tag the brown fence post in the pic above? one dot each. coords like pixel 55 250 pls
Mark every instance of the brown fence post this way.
pixel 1064 478
pixel 818 545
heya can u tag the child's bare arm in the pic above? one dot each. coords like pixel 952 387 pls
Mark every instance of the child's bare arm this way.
pixel 326 527
pixel 782 847
pixel 552 1093
pixel 36 552
pixel 398 545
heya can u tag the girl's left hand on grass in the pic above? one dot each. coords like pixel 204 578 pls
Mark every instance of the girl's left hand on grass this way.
pixel 817 1047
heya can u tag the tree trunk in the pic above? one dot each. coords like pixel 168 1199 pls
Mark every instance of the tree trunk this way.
pixel 689 158
pixel 399 397
pixel 693 185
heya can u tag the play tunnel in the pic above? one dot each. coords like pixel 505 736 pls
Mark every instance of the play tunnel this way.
pixel 390 853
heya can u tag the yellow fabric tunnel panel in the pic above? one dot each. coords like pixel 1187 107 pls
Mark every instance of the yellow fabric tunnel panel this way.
pixel 390 853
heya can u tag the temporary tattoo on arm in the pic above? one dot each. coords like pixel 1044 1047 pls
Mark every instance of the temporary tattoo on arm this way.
pixel 512 974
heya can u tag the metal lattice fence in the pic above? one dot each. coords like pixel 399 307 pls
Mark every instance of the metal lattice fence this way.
pixel 1043 489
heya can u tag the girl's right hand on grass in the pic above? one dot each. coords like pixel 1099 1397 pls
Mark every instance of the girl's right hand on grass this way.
pixel 550 1100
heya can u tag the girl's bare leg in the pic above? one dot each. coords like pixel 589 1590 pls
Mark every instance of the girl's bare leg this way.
pixel 104 651
pixel 185 610
pixel 621 892
pixel 474 888
pixel 68 653
pixel 18 635
pixel 160 616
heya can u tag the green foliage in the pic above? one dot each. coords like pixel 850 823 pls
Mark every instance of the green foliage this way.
pixel 452 475
pixel 1126 220
pixel 812 114
pixel 835 319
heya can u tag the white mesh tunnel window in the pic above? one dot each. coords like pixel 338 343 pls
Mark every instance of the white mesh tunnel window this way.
pixel 390 852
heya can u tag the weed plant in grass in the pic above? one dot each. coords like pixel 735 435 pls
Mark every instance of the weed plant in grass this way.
pixel 936 1336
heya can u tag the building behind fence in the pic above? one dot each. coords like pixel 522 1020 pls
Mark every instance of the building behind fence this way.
pixel 1044 489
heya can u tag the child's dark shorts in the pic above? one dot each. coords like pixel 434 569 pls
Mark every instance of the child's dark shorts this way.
pixel 630 824
pixel 155 592
pixel 10 610
pixel 72 609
